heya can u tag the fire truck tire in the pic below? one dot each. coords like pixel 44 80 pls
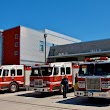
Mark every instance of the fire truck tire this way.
pixel 13 87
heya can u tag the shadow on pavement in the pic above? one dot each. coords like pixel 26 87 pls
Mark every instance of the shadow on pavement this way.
pixel 7 91
pixel 86 102
pixel 4 92
pixel 38 95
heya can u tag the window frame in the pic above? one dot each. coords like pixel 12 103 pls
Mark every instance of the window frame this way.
pixel 15 53
pixel 5 73
pixel 11 72
pixel 41 46
pixel 16 36
pixel 56 69
pixel 69 70
pixel 62 71
pixel 16 44
pixel 19 70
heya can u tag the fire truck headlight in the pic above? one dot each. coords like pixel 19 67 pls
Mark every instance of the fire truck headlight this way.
pixel 105 85
pixel 32 83
pixel 44 83
pixel 81 84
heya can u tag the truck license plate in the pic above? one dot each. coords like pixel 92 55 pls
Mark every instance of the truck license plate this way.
pixel 102 95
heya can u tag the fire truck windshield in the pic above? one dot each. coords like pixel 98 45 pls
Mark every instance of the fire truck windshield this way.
pixel 102 69
pixel 42 71
pixel 86 69
pixel 94 69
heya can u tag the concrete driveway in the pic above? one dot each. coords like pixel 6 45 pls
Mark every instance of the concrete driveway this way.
pixel 28 100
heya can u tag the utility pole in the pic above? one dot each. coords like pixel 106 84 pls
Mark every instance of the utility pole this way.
pixel 45 35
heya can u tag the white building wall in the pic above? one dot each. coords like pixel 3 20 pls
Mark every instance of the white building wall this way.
pixel 30 44
pixel 64 38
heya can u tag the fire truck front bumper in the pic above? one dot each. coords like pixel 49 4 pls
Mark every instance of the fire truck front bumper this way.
pixel 46 89
pixel 92 94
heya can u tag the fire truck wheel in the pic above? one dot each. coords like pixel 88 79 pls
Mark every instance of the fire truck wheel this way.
pixel 13 87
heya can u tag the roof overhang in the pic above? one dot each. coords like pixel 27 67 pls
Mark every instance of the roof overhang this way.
pixel 80 54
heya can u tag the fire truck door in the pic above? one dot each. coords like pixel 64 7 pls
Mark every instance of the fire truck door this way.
pixel 56 78
pixel 5 79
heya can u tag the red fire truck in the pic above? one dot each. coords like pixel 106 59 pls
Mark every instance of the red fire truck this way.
pixel 13 77
pixel 94 78
pixel 47 78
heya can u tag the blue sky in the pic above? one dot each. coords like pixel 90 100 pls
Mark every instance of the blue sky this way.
pixel 86 20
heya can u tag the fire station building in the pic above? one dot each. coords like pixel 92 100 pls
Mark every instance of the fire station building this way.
pixel 79 51
pixel 22 45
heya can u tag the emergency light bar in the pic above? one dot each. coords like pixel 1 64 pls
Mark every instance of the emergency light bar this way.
pixel 96 58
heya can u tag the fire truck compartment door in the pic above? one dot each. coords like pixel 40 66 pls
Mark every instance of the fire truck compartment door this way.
pixel 27 77
pixel 74 74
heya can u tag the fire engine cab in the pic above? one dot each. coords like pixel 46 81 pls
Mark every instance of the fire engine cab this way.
pixel 94 78
pixel 13 77
pixel 47 78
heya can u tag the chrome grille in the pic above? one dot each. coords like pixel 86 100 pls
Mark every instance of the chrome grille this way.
pixel 38 83
pixel 93 83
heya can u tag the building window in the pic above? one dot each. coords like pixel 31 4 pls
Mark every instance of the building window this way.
pixel 15 52
pixel 16 44
pixel 41 46
pixel 16 36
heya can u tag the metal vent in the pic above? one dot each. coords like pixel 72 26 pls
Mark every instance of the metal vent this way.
pixel 38 83
pixel 93 83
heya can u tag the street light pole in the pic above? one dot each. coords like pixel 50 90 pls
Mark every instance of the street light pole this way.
pixel 45 35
